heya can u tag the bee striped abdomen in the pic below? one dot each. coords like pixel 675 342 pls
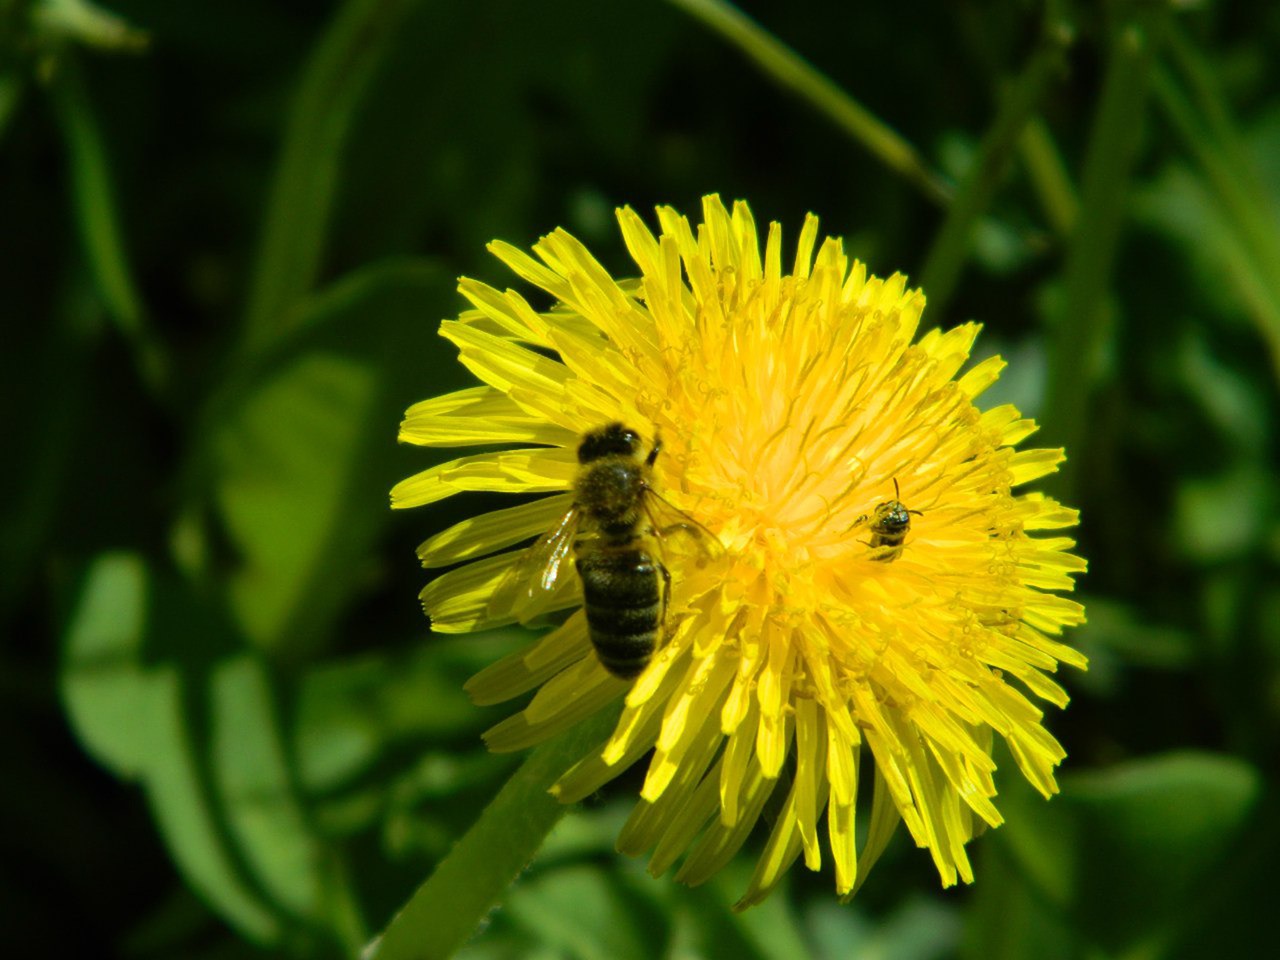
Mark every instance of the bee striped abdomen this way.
pixel 623 602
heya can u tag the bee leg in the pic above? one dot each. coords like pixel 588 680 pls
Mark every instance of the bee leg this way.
pixel 653 454
pixel 666 593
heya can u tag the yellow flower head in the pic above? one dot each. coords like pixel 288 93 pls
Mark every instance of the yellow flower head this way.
pixel 880 584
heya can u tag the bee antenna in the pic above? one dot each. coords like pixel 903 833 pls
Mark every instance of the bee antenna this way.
pixel 897 494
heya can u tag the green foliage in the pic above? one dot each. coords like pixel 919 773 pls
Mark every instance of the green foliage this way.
pixel 292 456
pixel 1119 865
pixel 229 232
pixel 160 696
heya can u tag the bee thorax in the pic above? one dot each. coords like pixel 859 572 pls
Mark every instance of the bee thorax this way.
pixel 610 491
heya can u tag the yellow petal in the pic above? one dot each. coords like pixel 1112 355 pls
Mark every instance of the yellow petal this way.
pixel 523 670
pixel 568 699
pixel 524 471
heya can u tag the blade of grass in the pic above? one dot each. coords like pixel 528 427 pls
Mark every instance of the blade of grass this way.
pixel 950 248
pixel 98 220
pixel 1045 169
pixel 791 71
pixel 11 90
pixel 303 189
pixel 51 371
pixel 1210 137
pixel 444 912
pixel 1209 97
pixel 1079 336
pixel 87 23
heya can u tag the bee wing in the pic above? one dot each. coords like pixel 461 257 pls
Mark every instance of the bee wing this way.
pixel 536 574
pixel 678 532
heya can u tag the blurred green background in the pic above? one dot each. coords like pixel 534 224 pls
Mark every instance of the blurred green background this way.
pixel 227 233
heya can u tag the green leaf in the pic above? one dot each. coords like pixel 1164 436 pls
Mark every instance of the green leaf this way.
pixel 1126 853
pixel 350 710
pixel 131 714
pixel 1117 636
pixel 160 690
pixel 922 928
pixel 302 451
pixel 1237 409
pixel 1150 834
pixel 1009 919
pixel 1208 533
pixel 251 774
pixel 578 851
pixel 585 912
pixel 329 94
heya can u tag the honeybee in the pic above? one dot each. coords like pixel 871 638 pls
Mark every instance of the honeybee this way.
pixel 618 529
pixel 890 524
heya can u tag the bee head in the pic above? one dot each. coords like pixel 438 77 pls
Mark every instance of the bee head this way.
pixel 892 517
pixel 613 440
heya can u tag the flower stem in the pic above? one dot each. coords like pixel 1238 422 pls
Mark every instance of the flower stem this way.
pixel 946 257
pixel 1049 178
pixel 444 912
pixel 791 70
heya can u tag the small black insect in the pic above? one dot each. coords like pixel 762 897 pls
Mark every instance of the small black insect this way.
pixel 890 524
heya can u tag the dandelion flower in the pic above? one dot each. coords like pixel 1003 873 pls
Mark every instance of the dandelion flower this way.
pixel 797 410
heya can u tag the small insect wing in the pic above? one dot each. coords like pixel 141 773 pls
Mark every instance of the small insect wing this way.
pixel 679 534
pixel 526 590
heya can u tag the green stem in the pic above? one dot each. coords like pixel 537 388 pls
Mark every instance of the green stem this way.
pixel 98 219
pixel 1081 331
pixel 947 256
pixel 446 910
pixel 302 192
pixel 791 71
pixel 1049 177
